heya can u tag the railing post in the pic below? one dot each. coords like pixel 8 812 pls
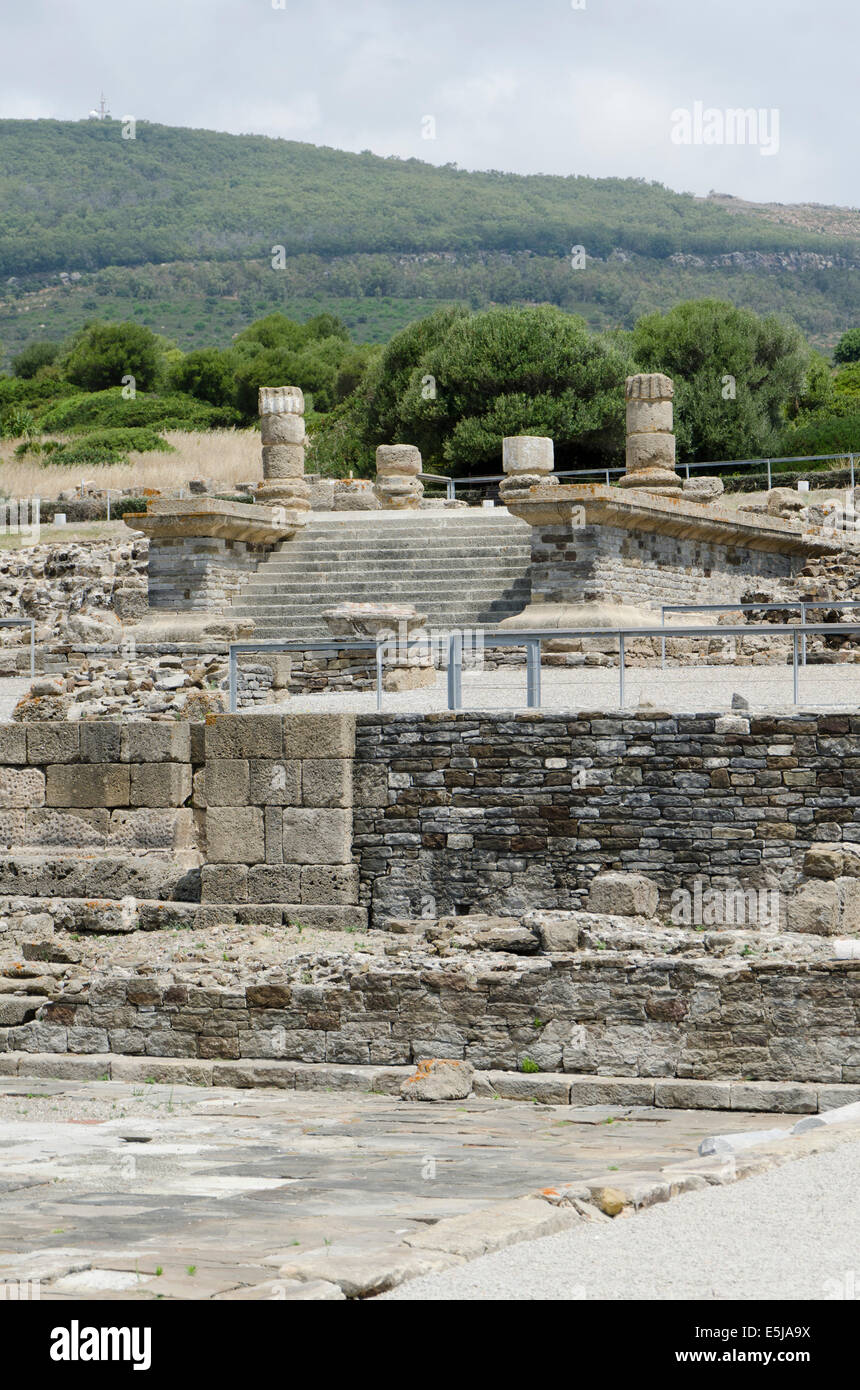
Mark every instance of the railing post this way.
pixel 533 674
pixel 794 661
pixel 663 639
pixel 851 461
pixel 379 675
pixel 769 476
pixel 455 670
pixel 621 669
pixel 32 646
pixel 803 625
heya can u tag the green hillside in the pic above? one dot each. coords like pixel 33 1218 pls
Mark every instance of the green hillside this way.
pixel 176 228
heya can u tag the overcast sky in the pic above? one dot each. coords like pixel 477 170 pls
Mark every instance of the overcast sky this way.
pixel 534 86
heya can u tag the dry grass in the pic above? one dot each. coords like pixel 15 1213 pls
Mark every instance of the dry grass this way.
pixel 227 456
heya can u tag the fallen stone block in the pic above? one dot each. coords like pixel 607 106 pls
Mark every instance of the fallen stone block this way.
pixel 734 1143
pixel 439 1079
pixel 623 895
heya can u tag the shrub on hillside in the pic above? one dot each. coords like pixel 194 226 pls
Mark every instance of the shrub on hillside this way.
pixel 110 410
pixel 109 446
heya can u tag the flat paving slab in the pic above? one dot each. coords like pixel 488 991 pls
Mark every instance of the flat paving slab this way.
pixel 121 1191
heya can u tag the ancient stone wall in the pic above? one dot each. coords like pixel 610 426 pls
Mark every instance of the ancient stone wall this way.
pixel 594 563
pixel 505 813
pixel 596 1014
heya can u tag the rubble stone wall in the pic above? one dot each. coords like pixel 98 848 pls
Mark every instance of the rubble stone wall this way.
pixel 505 813
pixel 593 563
pixel 603 1015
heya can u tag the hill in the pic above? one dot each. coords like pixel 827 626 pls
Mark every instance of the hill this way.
pixel 175 228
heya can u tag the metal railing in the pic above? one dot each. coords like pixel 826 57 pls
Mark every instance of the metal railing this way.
pixel 532 640
pixel 31 624
pixel 451 481
pixel 802 604
pixel 333 645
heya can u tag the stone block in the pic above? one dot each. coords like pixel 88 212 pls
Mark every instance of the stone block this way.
pixel 234 835
pixel 88 784
pixel 775 1096
pixel 160 784
pixel 145 742
pixel 623 895
pixel 152 828
pixel 528 454
pixel 511 1085
pixel 13 828
pixel 21 787
pixel 611 1090
pixel 330 883
pixel 327 782
pixel 675 1094
pixel 13 744
pixel 224 883
pixel 282 429
pixel 396 459
pixel 53 741
pixel 246 736
pixel 319 735
pixel 226 782
pixel 275 783
pixel 439 1078
pixel 70 829
pixel 317 836
pixel 100 742
pixel 274 883
pixel 650 451
pixel 283 461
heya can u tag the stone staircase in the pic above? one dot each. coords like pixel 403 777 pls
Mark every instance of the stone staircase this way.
pixel 461 568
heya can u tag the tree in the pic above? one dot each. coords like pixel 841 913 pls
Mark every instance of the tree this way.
pixel 101 354
pixel 33 357
pixel 455 384
pixel 207 374
pixel 734 375
pixel 848 347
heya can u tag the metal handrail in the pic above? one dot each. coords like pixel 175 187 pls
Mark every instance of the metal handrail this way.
pixel 532 640
pixel 25 622
pixel 802 604
pixel 451 481
pixel 351 644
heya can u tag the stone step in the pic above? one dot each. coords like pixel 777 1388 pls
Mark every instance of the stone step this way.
pixel 155 874
pixel 405 590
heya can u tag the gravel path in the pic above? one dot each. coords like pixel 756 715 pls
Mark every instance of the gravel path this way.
pixel 791 1233
pixel 687 689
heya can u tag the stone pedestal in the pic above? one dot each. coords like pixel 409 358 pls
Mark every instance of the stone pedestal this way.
pixel 650 440
pixel 396 624
pixel 528 460
pixel 398 486
pixel 203 550
pixel 282 425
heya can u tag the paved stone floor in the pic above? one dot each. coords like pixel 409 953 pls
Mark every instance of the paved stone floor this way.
pixel 110 1190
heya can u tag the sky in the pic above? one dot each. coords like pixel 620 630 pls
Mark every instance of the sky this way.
pixel 627 88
